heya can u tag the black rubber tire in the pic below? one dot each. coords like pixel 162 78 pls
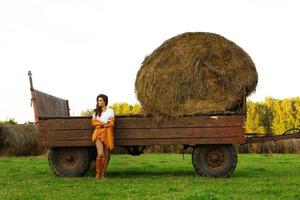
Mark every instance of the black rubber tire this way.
pixel 136 150
pixel 214 160
pixel 69 161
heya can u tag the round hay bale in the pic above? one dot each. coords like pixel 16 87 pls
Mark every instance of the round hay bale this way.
pixel 273 146
pixel 195 73
pixel 285 146
pixel 278 147
pixel 293 146
pixel 254 148
pixel 268 147
pixel 19 140
pixel 297 145
pixel 243 148
pixel 154 149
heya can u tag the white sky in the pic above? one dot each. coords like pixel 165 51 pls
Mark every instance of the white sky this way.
pixel 77 49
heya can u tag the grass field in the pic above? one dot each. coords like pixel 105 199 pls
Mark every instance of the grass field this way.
pixel 154 176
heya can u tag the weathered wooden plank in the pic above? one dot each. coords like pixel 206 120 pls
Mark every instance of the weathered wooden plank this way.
pixel 46 105
pixel 66 123
pixel 76 143
pixel 236 140
pixel 148 133
pixel 178 133
pixel 184 122
pixel 145 123
pixel 69 135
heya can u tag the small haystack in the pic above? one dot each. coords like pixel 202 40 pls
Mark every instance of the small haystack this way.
pixel 19 140
pixel 280 146
pixel 195 73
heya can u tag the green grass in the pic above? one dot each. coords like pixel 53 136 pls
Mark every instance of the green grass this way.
pixel 154 176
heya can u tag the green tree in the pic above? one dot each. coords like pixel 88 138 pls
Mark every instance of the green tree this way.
pixel 297 112
pixel 11 121
pixel 286 115
pixel 88 112
pixel 119 108
pixel 257 120
pixel 273 116
pixel 125 108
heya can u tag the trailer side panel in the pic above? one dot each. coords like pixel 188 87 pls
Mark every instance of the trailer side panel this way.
pixel 77 131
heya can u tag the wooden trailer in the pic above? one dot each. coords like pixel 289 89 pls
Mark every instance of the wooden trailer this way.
pixel 212 136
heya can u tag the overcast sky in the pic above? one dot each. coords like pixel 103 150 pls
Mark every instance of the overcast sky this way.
pixel 77 49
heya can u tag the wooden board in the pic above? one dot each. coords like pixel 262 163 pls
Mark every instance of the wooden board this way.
pixel 77 131
pixel 145 123
pixel 46 105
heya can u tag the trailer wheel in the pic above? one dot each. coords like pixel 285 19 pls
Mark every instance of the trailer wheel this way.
pixel 214 160
pixel 69 161
pixel 136 150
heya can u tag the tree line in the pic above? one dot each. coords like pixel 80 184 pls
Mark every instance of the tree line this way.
pixel 119 109
pixel 272 116
pixel 9 121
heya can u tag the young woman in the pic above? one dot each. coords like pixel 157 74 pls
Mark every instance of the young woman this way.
pixel 103 121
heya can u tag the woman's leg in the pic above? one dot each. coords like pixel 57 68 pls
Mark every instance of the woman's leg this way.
pixel 106 160
pixel 100 160
pixel 99 146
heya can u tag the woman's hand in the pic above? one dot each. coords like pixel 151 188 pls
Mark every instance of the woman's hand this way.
pixel 97 123
pixel 106 124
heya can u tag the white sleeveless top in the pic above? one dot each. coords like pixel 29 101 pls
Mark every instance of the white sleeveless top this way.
pixel 105 116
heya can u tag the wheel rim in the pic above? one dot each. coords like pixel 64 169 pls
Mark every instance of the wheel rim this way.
pixel 68 159
pixel 215 158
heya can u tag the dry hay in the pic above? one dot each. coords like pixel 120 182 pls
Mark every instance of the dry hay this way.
pixel 19 140
pixel 280 146
pixel 195 73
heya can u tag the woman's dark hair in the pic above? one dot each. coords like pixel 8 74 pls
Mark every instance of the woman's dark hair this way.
pixel 98 109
